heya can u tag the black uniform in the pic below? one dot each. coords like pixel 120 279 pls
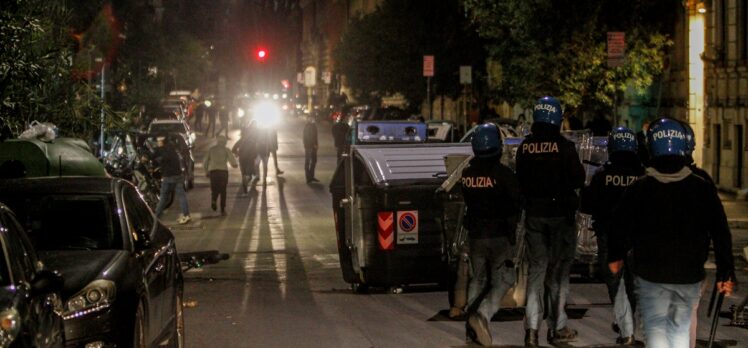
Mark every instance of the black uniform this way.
pixel 492 199
pixel 674 224
pixel 310 150
pixel 549 172
pixel 340 137
pixel 599 200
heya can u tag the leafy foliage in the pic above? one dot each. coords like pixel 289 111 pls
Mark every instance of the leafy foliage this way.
pixel 36 80
pixel 382 52
pixel 547 47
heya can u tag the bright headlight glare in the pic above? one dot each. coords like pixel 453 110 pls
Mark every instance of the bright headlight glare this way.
pixel 97 295
pixel 266 114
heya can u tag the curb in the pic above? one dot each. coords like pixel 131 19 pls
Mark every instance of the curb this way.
pixel 738 224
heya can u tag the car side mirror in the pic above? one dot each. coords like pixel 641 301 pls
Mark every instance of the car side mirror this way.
pixel 46 281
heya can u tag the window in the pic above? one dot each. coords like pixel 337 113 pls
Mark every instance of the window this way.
pixel 742 31
pixel 68 221
pixel 726 138
pixel 4 271
pixel 721 23
pixel 139 216
pixel 23 262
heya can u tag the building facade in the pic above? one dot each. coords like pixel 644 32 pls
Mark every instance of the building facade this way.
pixel 323 24
pixel 725 152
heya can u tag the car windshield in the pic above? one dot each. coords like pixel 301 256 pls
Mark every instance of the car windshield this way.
pixel 68 222
pixel 167 128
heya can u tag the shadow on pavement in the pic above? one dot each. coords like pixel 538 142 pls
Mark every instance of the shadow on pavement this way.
pixel 514 314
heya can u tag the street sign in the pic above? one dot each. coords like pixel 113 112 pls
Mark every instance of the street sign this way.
pixel 616 48
pixel 466 75
pixel 310 76
pixel 326 77
pixel 428 66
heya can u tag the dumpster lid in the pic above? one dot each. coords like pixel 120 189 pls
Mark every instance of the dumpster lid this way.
pixel 386 163
pixel 60 157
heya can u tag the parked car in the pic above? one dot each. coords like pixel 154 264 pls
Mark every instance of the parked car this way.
pixel 123 281
pixel 387 113
pixel 173 126
pixel 29 293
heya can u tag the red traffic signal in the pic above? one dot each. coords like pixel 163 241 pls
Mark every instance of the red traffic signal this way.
pixel 261 54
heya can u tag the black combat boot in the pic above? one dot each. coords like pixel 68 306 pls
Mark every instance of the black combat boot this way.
pixel 531 338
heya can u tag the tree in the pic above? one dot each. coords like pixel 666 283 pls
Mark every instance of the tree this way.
pixel 558 47
pixel 382 52
pixel 36 75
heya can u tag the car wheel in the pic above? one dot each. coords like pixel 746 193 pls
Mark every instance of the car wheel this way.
pixel 138 336
pixel 177 335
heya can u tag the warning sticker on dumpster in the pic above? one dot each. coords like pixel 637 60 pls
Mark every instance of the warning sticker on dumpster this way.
pixel 407 227
pixel 385 230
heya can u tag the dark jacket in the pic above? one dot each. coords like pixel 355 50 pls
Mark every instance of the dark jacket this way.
pixel 668 221
pixel 492 198
pixel 340 133
pixel 702 173
pixel 310 135
pixel 169 160
pixel 601 197
pixel 245 148
pixel 549 172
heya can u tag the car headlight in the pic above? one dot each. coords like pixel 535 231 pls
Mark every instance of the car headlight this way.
pixel 10 325
pixel 97 295
pixel 267 114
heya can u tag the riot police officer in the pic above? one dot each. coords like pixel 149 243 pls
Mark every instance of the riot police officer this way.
pixel 599 200
pixel 492 201
pixel 690 147
pixel 549 172
pixel 677 215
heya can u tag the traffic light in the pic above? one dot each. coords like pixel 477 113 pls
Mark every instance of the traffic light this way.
pixel 261 55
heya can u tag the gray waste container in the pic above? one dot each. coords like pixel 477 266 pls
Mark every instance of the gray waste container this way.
pixel 387 218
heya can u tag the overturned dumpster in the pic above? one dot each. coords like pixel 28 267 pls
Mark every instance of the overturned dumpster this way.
pixel 387 218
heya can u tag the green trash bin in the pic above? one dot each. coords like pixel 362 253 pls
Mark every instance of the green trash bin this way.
pixel 60 157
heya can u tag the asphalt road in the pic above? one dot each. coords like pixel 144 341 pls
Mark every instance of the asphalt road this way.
pixel 282 286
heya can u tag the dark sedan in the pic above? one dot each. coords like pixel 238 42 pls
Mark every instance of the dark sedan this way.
pixel 30 305
pixel 123 281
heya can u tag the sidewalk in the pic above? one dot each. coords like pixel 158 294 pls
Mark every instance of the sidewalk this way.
pixel 736 210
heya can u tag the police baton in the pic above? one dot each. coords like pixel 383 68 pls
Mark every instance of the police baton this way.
pixel 715 314
pixel 520 236
pixel 715 320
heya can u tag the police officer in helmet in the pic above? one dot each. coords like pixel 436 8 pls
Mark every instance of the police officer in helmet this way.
pixel 492 202
pixel 666 220
pixel 599 199
pixel 690 147
pixel 549 172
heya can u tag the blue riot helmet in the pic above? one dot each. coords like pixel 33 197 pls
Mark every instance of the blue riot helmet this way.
pixel 666 137
pixel 547 110
pixel 487 141
pixel 690 138
pixel 622 139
